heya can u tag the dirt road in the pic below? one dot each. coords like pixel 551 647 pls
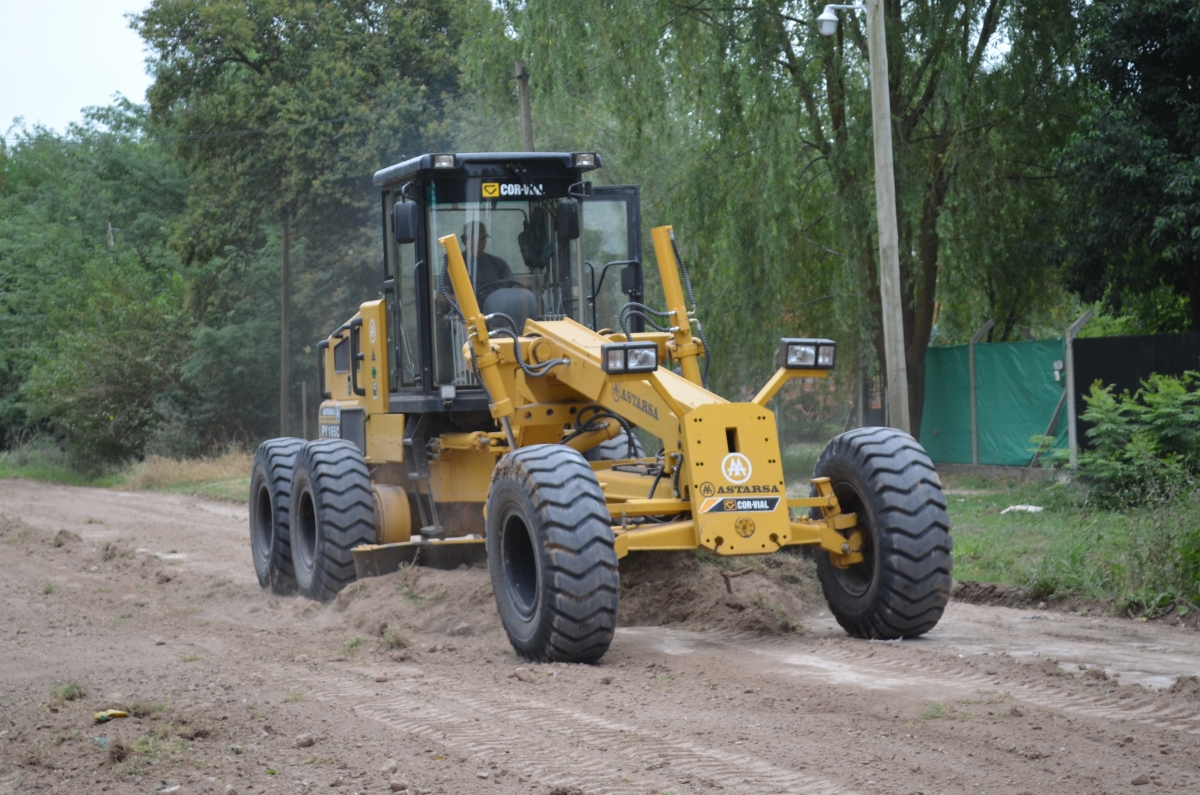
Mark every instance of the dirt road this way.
pixel 149 602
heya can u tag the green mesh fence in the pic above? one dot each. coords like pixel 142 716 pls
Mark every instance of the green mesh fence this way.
pixel 1016 396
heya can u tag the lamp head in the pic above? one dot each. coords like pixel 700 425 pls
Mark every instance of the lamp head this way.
pixel 827 22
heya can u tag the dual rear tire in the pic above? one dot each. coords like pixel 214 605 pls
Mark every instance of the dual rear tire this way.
pixel 310 505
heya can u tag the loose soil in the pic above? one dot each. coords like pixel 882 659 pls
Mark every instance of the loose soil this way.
pixel 148 603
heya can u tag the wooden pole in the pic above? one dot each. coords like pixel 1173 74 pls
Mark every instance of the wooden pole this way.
pixel 885 209
pixel 284 298
pixel 975 338
pixel 526 113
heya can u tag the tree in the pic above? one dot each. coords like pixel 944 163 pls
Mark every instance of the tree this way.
pixel 1134 164
pixel 283 110
pixel 760 129
pixel 90 300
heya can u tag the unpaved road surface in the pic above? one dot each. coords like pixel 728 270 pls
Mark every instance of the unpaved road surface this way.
pixel 149 602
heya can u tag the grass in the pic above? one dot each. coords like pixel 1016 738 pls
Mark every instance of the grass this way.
pixel 187 658
pixel 49 589
pixel 69 691
pixel 225 477
pixel 222 477
pixel 934 711
pixel 352 645
pixel 42 460
pixel 799 460
pixel 1128 558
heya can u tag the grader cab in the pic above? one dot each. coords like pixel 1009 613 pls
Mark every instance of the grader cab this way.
pixel 488 407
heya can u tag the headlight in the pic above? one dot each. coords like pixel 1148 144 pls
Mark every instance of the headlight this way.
pixel 614 360
pixel 801 355
pixel 805 354
pixel 443 161
pixel 629 357
pixel 585 160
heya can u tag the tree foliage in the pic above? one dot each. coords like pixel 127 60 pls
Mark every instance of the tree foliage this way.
pixel 753 136
pixel 1133 237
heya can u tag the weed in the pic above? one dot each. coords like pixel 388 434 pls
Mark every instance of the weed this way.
pixel 352 645
pixel 392 639
pixel 935 710
pixel 49 589
pixel 67 692
pixel 187 658
pixel 296 696
pixel 272 771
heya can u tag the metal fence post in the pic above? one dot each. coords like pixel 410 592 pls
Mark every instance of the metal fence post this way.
pixel 975 338
pixel 1069 355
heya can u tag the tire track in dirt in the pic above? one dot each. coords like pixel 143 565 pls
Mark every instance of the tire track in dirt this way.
pixel 1174 716
pixel 535 738
pixel 929 671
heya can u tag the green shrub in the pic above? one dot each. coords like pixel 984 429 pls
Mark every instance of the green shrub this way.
pixel 1145 446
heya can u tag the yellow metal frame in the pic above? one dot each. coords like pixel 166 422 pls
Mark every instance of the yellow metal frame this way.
pixel 724 457
pixel 722 486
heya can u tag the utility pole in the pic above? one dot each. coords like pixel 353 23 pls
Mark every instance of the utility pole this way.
pixel 885 209
pixel 284 299
pixel 526 114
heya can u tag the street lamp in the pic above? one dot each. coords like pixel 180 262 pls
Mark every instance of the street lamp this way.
pixel 885 206
pixel 827 22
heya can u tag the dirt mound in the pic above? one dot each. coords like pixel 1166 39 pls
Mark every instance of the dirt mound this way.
pixel 1186 687
pixel 418 599
pixel 988 593
pixel 687 589
pixel 663 588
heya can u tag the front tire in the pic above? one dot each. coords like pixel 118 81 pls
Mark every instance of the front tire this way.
pixel 270 500
pixel 551 556
pixel 901 588
pixel 333 511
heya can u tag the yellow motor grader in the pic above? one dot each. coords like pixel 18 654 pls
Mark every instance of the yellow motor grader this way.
pixel 485 408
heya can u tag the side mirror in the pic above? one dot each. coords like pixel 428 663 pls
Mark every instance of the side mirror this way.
pixel 405 218
pixel 568 220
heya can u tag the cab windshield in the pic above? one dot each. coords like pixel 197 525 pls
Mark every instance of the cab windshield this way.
pixel 519 265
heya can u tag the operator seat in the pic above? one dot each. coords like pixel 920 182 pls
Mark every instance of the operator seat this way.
pixel 516 302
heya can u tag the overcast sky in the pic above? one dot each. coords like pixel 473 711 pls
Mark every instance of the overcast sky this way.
pixel 59 56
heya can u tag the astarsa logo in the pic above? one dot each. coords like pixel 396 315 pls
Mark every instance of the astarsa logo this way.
pixel 736 468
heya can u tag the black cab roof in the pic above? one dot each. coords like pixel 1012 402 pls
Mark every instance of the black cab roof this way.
pixel 486 164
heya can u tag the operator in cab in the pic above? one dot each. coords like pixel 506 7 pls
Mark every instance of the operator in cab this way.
pixel 491 272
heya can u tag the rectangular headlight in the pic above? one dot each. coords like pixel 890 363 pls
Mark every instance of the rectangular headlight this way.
pixel 642 360
pixel 801 355
pixel 614 360
pixel 629 357
pixel 805 354
pixel 585 160
pixel 443 161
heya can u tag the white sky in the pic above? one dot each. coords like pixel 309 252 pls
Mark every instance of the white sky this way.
pixel 59 56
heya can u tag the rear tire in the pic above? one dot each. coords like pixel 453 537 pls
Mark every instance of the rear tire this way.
pixel 270 499
pixel 551 556
pixel 901 588
pixel 333 512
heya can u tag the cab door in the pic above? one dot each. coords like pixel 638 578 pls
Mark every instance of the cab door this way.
pixel 611 252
